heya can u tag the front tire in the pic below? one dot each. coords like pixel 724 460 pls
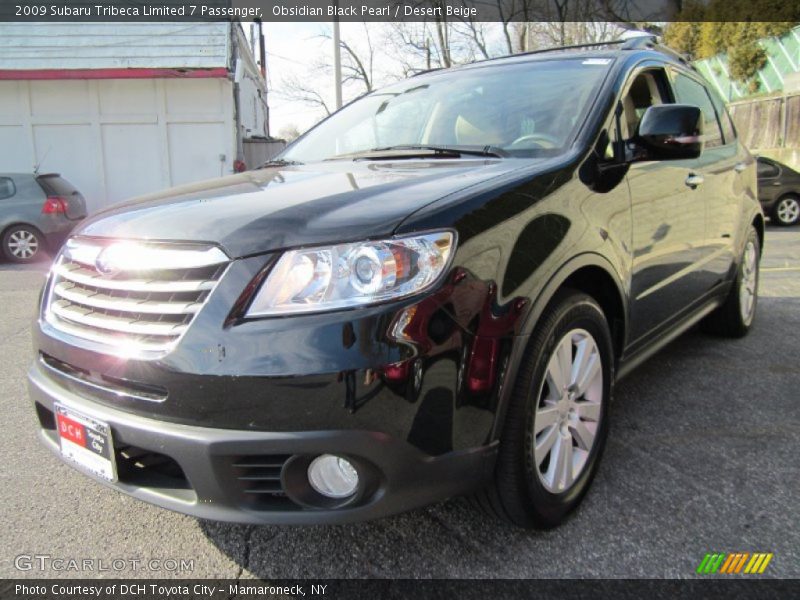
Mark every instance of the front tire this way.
pixel 557 420
pixel 735 317
pixel 786 211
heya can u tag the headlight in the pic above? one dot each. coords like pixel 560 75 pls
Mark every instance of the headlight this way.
pixel 348 275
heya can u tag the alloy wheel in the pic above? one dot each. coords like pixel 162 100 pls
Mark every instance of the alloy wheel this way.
pixel 788 211
pixel 749 280
pixel 23 244
pixel 568 411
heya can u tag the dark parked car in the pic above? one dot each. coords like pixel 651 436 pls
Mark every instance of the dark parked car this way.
pixel 779 191
pixel 37 213
pixel 431 293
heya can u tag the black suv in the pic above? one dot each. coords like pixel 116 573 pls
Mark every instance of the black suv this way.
pixel 431 293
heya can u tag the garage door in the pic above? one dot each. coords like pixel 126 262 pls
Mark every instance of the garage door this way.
pixel 117 138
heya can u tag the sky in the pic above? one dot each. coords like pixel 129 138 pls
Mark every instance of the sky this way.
pixel 297 50
pixel 291 49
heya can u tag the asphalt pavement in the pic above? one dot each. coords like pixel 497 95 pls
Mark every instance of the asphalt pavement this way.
pixel 702 457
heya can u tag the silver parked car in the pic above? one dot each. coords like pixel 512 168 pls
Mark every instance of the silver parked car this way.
pixel 37 213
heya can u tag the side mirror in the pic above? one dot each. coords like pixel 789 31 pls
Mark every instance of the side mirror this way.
pixel 670 132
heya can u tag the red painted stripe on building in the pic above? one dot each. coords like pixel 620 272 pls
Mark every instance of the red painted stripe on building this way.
pixel 140 73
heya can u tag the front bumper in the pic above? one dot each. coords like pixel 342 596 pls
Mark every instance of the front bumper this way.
pixel 214 473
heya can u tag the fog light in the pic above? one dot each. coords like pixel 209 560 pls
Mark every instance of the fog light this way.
pixel 333 476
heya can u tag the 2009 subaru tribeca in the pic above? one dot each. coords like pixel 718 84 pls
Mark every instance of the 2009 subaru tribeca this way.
pixel 431 293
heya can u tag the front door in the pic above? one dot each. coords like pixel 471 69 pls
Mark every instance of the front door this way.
pixel 669 215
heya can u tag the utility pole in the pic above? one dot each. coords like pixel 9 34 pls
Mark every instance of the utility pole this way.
pixel 337 59
pixel 262 49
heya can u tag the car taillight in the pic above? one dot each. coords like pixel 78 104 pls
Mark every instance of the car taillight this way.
pixel 54 205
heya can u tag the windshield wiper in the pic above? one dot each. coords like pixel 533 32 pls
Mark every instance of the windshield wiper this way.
pixel 477 151
pixel 408 151
pixel 279 162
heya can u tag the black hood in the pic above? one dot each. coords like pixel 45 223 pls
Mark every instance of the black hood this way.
pixel 269 209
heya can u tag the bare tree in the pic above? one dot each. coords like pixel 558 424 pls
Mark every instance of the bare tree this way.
pixel 515 18
pixel 422 46
pixel 439 43
pixel 531 24
pixel 289 132
pixel 474 34
pixel 357 67
pixel 303 90
pixel 562 33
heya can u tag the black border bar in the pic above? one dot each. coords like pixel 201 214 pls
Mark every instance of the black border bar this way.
pixel 629 11
pixel 711 588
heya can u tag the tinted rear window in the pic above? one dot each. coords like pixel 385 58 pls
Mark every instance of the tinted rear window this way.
pixel 766 169
pixel 56 185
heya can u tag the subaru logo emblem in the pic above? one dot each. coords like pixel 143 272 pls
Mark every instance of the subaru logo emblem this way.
pixel 103 263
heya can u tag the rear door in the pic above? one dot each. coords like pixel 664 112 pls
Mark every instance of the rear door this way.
pixel 721 167
pixel 769 183
pixel 55 185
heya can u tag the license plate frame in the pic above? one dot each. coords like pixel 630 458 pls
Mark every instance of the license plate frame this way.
pixel 86 442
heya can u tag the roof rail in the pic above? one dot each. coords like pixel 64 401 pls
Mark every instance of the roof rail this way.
pixel 640 42
pixel 425 71
pixel 573 47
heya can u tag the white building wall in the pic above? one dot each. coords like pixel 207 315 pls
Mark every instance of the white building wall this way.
pixel 119 138
pixel 253 113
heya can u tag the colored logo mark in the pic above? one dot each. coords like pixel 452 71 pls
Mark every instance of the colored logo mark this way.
pixel 734 563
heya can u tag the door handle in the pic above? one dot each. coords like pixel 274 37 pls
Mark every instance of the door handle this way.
pixel 739 167
pixel 776 183
pixel 693 180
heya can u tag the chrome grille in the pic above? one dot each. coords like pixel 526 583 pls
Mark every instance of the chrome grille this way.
pixel 144 298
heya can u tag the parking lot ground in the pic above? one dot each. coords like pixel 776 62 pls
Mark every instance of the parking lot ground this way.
pixel 702 458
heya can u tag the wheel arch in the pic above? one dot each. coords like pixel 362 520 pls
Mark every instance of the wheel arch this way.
pixel 595 276
pixel 591 274
pixel 13 224
pixel 758 223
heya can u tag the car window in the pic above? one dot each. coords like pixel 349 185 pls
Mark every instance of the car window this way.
pixel 728 128
pixel 7 188
pixel 56 186
pixel 400 122
pixel 689 91
pixel 766 169
pixel 644 91
pixel 526 109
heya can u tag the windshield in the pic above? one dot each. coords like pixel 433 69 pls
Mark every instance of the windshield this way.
pixel 523 109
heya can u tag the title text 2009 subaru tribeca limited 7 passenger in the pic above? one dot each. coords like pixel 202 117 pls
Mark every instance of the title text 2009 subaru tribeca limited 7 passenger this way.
pixel 430 293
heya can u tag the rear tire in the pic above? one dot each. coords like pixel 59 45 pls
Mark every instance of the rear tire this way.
pixel 555 427
pixel 786 211
pixel 23 244
pixel 735 317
